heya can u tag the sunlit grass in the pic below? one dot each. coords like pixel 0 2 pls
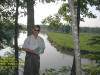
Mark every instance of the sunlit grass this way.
pixel 66 40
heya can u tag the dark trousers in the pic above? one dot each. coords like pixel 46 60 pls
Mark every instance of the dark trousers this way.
pixel 32 64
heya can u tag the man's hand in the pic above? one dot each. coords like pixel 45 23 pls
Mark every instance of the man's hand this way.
pixel 30 51
pixel 34 52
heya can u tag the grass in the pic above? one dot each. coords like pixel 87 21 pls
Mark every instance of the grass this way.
pixel 66 40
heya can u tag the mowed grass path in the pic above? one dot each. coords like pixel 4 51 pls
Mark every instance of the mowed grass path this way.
pixel 66 41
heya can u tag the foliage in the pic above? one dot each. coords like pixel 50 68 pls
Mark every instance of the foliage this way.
pixel 93 57
pixel 87 69
pixel 53 21
pixel 6 33
pixel 64 12
pixel 6 69
pixel 94 3
pixel 7 14
pixel 84 10
pixel 8 62
pixel 48 1
pixel 63 70
pixel 93 70
pixel 95 40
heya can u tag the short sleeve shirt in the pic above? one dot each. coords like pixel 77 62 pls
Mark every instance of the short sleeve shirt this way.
pixel 32 43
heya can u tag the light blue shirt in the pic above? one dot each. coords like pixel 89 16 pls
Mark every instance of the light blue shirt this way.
pixel 32 43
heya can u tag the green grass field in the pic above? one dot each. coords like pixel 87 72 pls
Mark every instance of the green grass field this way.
pixel 66 40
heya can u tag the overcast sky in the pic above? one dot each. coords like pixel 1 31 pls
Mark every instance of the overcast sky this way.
pixel 44 10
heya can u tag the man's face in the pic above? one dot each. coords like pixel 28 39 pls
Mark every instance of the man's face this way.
pixel 36 30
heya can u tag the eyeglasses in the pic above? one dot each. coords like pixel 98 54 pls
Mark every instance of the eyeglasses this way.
pixel 36 30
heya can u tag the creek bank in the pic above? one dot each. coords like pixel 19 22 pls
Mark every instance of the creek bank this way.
pixel 70 51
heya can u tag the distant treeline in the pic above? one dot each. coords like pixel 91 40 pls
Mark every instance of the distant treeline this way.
pixel 90 30
pixel 68 29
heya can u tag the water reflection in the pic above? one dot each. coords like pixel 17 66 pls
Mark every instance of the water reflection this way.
pixel 52 58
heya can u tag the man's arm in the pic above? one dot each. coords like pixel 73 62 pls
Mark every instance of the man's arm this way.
pixel 30 51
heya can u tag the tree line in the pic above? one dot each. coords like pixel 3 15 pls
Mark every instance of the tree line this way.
pixel 67 29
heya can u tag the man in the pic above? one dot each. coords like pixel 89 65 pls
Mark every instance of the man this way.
pixel 33 45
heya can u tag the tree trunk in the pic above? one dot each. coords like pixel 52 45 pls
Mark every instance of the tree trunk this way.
pixel 73 71
pixel 75 37
pixel 30 15
pixel 16 36
pixel 78 23
pixel 78 15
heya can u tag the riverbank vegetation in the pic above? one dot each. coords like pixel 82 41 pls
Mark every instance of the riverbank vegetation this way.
pixel 88 46
pixel 65 41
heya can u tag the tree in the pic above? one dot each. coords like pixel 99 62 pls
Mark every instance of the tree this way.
pixel 30 15
pixel 16 37
pixel 75 37
pixel 73 71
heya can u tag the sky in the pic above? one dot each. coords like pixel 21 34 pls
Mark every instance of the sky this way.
pixel 44 10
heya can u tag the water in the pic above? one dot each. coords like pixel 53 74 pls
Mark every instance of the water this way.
pixel 51 57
